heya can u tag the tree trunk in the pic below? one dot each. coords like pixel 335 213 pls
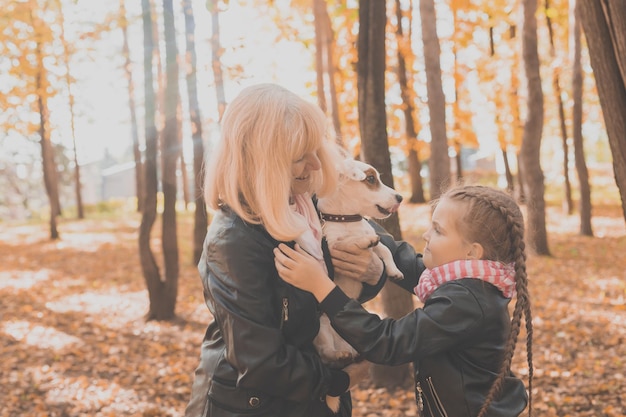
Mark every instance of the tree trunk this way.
pixel 184 178
pixel 502 136
pixel 568 205
pixel 604 25
pixel 330 69
pixel 531 141
pixel 216 54
pixel 320 67
pixel 50 176
pixel 150 269
pixel 415 176
pixel 156 59
pixel 139 187
pixel 200 214
pixel 170 154
pixel 405 78
pixel 47 155
pixel 457 129
pixel 325 65
pixel 577 121
pixel 439 164
pixel 458 161
pixel 518 130
pixel 80 213
pixel 510 185
pixel 521 180
pixel 375 150
pixel 183 163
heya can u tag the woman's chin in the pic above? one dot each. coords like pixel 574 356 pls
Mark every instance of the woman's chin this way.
pixel 300 187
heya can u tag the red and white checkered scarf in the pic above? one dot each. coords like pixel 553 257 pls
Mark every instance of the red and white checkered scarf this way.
pixel 499 274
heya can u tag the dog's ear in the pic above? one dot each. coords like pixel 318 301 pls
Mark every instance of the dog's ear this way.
pixel 351 170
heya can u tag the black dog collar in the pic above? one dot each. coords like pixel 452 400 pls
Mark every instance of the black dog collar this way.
pixel 341 218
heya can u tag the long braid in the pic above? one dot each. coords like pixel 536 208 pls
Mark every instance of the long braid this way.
pixel 522 288
pixel 523 298
pixel 494 200
pixel 522 306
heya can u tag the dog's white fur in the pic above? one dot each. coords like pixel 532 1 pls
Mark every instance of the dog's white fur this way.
pixel 359 192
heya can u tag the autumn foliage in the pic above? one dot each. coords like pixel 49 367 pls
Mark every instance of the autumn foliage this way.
pixel 74 341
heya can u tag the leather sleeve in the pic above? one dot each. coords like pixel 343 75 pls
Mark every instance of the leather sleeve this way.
pixel 439 326
pixel 406 258
pixel 240 276
pixel 370 291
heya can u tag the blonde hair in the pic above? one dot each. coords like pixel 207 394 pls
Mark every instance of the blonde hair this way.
pixel 264 130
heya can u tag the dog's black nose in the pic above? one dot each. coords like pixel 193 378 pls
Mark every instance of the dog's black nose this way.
pixel 398 198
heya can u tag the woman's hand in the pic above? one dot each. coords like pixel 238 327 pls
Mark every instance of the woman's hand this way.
pixel 357 372
pixel 302 270
pixel 355 259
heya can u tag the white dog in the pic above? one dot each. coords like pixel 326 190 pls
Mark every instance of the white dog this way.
pixel 359 195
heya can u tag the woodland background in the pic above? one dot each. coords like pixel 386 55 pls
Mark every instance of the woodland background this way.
pixel 109 109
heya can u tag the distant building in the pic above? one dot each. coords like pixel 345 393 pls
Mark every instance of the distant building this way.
pixel 101 184
pixel 114 181
pixel 118 181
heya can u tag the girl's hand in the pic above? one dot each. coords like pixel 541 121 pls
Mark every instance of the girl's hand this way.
pixel 301 270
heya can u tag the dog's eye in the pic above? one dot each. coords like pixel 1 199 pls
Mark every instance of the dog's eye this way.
pixel 371 179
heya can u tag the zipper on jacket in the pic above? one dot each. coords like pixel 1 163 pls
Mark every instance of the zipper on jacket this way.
pixel 420 398
pixel 438 402
pixel 285 316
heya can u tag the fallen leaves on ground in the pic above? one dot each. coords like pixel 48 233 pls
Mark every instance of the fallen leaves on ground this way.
pixel 74 341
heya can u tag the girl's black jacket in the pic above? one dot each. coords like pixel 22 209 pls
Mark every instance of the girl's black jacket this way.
pixel 257 357
pixel 455 342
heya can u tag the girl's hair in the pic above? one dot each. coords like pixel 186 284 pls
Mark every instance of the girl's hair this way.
pixel 493 219
pixel 265 129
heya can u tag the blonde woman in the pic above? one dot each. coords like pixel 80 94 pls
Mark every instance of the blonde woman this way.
pixel 257 357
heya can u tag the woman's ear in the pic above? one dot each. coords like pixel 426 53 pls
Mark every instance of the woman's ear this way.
pixel 476 251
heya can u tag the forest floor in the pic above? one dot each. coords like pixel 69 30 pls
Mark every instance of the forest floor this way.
pixel 73 340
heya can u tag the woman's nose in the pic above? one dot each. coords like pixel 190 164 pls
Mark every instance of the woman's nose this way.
pixel 314 162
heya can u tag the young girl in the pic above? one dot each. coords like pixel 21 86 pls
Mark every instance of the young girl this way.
pixel 462 341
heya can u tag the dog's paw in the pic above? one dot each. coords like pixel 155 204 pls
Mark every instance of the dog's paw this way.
pixel 332 403
pixel 329 356
pixel 367 241
pixel 374 241
pixel 337 357
pixel 341 359
pixel 394 273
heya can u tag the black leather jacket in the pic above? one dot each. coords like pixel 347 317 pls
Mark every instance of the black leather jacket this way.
pixel 257 357
pixel 455 341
